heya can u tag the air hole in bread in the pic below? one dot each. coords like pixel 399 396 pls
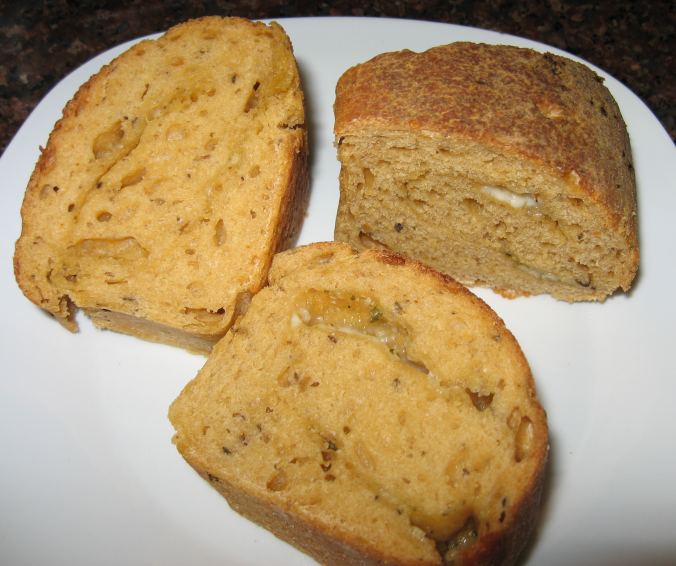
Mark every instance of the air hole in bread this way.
pixel 176 61
pixel 203 315
pixel 219 233
pixel 120 249
pixel 584 279
pixel 514 418
pixel 368 241
pixel 479 400
pixel 109 141
pixel 368 179
pixel 133 178
pixel 48 190
pixel 104 216
pixel 252 100
pixel 472 206
pixel 523 439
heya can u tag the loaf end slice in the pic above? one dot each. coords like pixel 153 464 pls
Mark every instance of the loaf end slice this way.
pixel 498 165
pixel 370 410
pixel 174 175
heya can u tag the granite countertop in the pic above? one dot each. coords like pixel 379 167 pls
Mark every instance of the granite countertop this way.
pixel 42 41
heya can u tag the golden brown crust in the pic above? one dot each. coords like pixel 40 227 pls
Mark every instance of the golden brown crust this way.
pixel 325 546
pixel 547 111
pixel 294 204
pixel 151 331
pixel 516 99
pixel 29 270
pixel 330 548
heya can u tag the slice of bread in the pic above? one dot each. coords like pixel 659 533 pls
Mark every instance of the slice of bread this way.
pixel 498 165
pixel 174 175
pixel 368 409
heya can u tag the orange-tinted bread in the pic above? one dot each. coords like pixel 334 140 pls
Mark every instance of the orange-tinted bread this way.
pixel 369 410
pixel 174 175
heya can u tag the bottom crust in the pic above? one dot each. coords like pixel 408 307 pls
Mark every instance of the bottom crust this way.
pixel 152 331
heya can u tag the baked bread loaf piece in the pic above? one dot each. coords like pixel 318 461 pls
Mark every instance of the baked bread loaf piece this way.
pixel 173 176
pixel 498 165
pixel 368 409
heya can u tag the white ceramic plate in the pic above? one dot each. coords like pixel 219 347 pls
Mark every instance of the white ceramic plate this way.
pixel 89 474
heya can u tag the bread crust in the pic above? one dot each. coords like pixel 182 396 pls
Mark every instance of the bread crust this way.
pixel 332 549
pixel 544 109
pixel 334 544
pixel 38 247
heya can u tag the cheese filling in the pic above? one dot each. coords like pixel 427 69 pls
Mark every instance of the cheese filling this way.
pixel 515 200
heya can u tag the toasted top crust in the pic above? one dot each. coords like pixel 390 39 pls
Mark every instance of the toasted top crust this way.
pixel 547 109
pixel 170 180
pixel 375 404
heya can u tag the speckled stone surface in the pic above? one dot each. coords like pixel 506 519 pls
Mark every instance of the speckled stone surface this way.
pixel 42 41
